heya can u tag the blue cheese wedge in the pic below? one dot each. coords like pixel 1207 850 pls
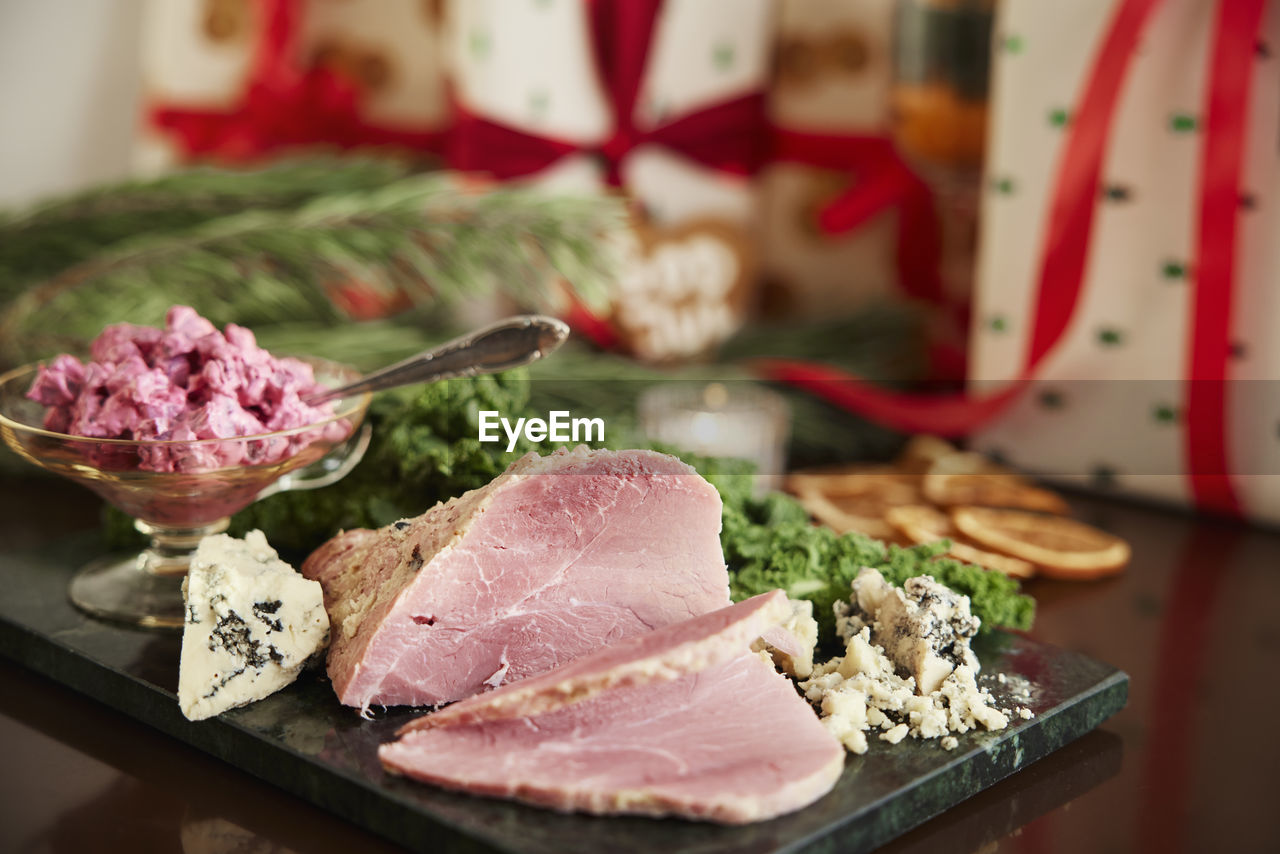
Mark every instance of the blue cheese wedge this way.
pixel 251 624
pixel 924 627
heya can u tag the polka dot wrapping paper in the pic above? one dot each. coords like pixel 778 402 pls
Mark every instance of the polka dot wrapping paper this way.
pixel 1109 406
pixel 661 99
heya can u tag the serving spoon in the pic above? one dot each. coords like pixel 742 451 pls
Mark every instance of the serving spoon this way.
pixel 500 346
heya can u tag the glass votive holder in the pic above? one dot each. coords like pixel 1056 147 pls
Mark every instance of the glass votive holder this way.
pixel 731 419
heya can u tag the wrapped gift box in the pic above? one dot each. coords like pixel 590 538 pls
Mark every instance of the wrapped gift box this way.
pixel 663 101
pixel 235 80
pixel 1125 399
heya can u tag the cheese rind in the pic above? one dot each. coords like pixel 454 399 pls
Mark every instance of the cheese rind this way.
pixel 251 624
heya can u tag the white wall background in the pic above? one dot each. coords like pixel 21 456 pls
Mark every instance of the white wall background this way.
pixel 69 87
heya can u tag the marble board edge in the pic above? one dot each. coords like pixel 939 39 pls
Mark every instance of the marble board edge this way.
pixel 990 763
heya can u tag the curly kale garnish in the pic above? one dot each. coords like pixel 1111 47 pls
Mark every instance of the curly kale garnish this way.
pixel 769 542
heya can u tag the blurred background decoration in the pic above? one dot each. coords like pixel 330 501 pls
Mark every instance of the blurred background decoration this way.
pixel 753 149
pixel 364 178
pixel 696 185
pixel 1161 381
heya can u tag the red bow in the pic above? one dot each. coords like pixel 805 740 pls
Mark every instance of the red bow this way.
pixel 727 137
pixel 283 105
pixel 884 182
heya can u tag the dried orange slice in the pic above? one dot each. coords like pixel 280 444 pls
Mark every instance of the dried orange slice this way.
pixel 972 479
pixel 966 462
pixel 1061 548
pixel 851 480
pixel 991 490
pixel 921 523
pixel 854 498
pixel 844 522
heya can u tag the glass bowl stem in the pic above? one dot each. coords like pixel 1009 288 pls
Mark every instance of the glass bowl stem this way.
pixel 144 589
pixel 172 545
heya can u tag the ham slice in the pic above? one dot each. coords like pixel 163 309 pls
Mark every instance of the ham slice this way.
pixel 658 656
pixel 558 556
pixel 684 721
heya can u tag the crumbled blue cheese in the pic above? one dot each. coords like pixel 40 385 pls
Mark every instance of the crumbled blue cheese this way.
pixel 1019 690
pixel 251 624
pixel 924 627
pixel 927 627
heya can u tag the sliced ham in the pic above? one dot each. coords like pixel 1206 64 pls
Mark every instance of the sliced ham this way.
pixel 559 556
pixel 727 740
pixel 658 656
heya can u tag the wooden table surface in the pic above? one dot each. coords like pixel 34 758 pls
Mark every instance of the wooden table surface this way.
pixel 1189 764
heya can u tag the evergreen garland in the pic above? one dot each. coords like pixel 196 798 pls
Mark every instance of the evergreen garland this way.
pixel 50 237
pixel 882 343
pixel 422 237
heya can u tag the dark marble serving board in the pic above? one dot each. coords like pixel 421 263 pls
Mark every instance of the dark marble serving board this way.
pixel 303 741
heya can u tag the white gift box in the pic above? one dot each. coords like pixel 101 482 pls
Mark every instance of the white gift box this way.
pixel 1108 404
pixel 530 68
pixel 199 55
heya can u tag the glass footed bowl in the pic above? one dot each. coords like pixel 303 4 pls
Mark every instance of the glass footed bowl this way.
pixel 179 491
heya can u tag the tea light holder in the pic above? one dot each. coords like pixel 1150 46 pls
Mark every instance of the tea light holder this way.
pixel 736 420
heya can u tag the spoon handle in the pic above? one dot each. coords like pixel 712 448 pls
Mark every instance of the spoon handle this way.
pixel 503 345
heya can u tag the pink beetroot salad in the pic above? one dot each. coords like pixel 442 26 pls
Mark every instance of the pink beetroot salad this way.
pixel 187 381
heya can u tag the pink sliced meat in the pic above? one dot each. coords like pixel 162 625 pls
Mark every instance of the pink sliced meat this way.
pixel 559 556
pixel 733 743
pixel 664 654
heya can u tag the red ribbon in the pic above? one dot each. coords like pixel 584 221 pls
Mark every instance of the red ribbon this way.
pixel 1065 254
pixel 726 137
pixel 883 182
pixel 1061 269
pixel 283 105
pixel 1236 30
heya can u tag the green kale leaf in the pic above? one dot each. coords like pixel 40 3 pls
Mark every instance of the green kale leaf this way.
pixel 769 542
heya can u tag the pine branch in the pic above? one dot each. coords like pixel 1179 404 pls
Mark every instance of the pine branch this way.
pixel 46 239
pixel 365 345
pixel 422 237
